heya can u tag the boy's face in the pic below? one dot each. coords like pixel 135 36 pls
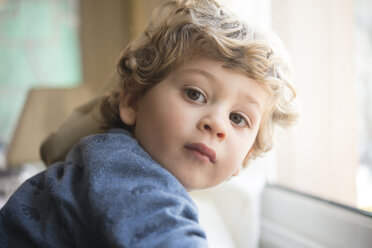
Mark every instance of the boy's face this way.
pixel 200 122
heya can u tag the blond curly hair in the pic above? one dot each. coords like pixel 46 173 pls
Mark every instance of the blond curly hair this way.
pixel 181 30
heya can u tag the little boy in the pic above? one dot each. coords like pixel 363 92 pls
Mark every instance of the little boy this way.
pixel 198 97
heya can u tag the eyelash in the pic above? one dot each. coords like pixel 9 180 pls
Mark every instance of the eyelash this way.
pixel 243 118
pixel 189 91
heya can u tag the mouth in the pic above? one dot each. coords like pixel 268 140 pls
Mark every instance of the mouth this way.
pixel 202 150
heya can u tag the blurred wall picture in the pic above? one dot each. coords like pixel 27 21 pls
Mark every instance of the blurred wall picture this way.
pixel 39 47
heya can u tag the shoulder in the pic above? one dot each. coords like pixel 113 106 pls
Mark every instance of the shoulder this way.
pixel 113 140
pixel 118 156
pixel 105 148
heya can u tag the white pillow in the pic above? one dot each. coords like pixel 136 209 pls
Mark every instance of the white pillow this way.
pixel 210 218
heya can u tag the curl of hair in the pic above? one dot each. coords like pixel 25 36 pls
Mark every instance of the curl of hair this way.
pixel 184 29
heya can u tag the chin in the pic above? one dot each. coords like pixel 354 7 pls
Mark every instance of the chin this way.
pixel 196 186
pixel 191 186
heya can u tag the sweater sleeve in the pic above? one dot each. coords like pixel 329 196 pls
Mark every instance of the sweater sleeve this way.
pixel 108 193
pixel 134 202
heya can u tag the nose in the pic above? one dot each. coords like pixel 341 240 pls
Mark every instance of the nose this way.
pixel 214 125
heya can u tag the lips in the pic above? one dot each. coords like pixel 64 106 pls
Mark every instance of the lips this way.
pixel 202 150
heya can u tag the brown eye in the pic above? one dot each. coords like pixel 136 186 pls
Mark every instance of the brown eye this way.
pixel 238 119
pixel 195 95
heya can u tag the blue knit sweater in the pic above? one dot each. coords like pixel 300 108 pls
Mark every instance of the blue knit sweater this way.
pixel 108 193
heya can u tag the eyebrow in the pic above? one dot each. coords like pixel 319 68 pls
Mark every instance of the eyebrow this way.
pixel 200 71
pixel 211 77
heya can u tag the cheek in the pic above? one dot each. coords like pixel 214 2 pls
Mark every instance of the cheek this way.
pixel 177 117
pixel 163 123
pixel 240 148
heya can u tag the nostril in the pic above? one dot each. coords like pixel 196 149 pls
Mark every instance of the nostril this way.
pixel 207 127
pixel 220 135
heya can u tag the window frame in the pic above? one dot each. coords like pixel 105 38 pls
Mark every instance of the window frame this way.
pixel 293 219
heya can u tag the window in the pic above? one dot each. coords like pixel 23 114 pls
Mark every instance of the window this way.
pixel 322 154
pixel 363 63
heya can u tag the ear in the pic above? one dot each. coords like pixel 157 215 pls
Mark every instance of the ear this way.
pixel 128 108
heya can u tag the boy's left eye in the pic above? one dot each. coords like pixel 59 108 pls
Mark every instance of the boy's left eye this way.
pixel 239 120
pixel 195 95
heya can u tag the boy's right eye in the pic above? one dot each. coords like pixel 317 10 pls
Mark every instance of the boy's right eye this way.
pixel 195 95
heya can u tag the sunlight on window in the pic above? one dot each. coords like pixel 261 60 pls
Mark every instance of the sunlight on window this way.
pixel 320 155
pixel 252 11
pixel 363 66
